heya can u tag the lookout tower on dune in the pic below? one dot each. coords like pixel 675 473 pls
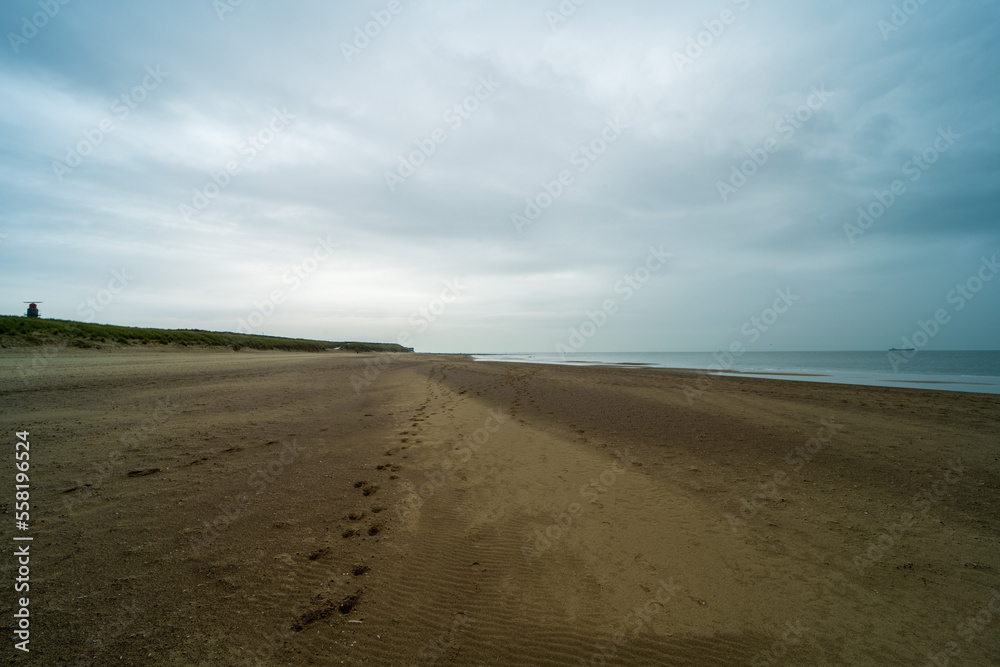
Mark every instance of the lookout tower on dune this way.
pixel 32 308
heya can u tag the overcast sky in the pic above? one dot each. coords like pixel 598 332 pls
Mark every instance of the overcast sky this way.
pixel 262 165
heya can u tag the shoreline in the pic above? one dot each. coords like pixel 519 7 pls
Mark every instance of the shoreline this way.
pixel 987 384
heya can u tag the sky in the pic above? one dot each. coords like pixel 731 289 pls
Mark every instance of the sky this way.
pixel 467 176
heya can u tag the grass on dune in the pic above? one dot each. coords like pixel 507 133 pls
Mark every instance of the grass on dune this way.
pixel 27 331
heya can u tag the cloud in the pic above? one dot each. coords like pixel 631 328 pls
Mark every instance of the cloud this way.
pixel 688 129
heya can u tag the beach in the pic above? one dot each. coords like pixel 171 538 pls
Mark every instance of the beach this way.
pixel 198 507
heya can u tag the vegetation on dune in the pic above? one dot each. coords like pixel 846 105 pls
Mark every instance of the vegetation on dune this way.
pixel 23 331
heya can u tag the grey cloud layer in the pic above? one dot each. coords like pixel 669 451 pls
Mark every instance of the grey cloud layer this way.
pixel 702 88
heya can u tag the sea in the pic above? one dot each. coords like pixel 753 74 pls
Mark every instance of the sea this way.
pixel 977 372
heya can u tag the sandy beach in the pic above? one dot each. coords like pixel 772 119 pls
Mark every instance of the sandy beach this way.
pixel 276 508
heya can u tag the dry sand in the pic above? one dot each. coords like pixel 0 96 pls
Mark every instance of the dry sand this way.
pixel 209 508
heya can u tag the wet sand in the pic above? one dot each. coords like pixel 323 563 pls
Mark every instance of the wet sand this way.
pixel 207 508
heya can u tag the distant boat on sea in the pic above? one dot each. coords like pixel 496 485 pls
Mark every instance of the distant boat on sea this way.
pixel 902 349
